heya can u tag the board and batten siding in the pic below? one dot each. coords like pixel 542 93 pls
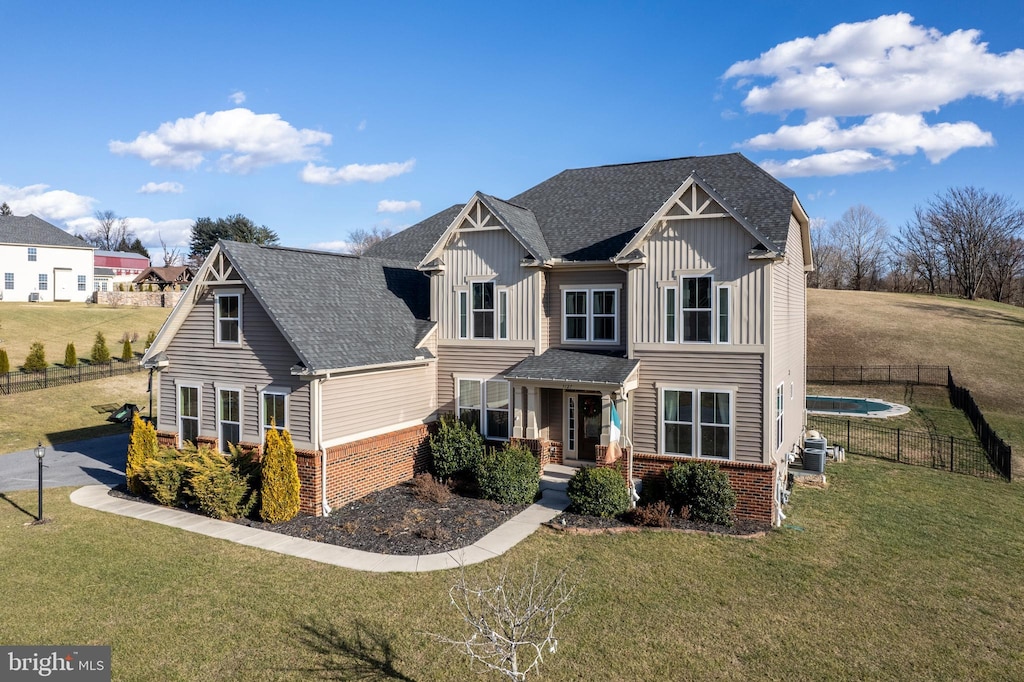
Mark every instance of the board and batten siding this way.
pixel 374 401
pixel 560 279
pixel 789 337
pixel 488 254
pixel 716 244
pixel 485 362
pixel 701 370
pixel 264 359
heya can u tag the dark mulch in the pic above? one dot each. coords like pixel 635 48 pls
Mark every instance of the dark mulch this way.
pixel 393 521
pixel 578 523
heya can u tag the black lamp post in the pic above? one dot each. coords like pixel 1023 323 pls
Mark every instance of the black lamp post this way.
pixel 40 452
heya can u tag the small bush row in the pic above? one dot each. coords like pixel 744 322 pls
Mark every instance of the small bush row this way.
pixel 36 359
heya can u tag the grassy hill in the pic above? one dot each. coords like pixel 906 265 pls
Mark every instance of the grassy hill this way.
pixel 982 341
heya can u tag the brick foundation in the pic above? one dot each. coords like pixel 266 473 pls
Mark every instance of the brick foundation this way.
pixel 755 499
pixel 547 451
pixel 167 439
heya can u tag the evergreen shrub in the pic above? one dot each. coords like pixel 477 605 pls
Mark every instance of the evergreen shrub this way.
pixel 126 351
pixel 5 362
pixel 70 356
pixel 704 488
pixel 215 488
pixel 455 448
pixel 598 491
pixel 36 360
pixel 508 476
pixel 100 354
pixel 164 477
pixel 279 495
pixel 142 446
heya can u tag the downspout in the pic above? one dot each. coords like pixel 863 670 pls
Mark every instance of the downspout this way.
pixel 318 394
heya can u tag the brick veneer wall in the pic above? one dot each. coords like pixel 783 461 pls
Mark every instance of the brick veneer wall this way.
pixel 546 451
pixel 755 499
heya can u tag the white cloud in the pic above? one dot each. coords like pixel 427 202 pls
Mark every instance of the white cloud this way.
pixel 339 245
pixel 886 64
pixel 843 162
pixel 237 97
pixel 245 139
pixel 354 172
pixel 393 206
pixel 362 125
pixel 175 232
pixel 49 204
pixel 891 133
pixel 162 188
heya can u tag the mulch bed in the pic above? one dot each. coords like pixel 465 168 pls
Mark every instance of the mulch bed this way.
pixel 569 522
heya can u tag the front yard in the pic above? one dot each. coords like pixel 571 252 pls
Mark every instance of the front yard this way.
pixel 893 572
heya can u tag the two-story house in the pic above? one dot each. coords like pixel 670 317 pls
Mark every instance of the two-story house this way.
pixel 41 262
pixel 669 294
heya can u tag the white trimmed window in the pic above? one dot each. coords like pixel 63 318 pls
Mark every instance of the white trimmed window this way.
pixel 44 281
pixel 724 294
pixel 486 405
pixel 273 411
pixel 31 253
pixel 590 316
pixel 189 409
pixel 696 422
pixel 503 314
pixel 81 282
pixel 780 394
pixel 669 296
pixel 229 417
pixel 229 318
pixel 463 314
pixel 8 280
pixel 696 309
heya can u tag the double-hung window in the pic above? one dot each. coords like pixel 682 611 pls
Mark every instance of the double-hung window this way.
pixel 696 422
pixel 188 414
pixel 696 311
pixel 780 402
pixel 44 281
pixel 483 312
pixel 274 411
pixel 590 315
pixel 229 317
pixel 31 253
pixel 485 405
pixel 8 280
pixel 696 304
pixel 229 417
pixel 81 282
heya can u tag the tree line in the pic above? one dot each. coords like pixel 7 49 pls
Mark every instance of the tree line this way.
pixel 964 242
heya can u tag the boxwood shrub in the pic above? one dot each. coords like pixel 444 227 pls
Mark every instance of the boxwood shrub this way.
pixel 704 488
pixel 598 492
pixel 508 476
pixel 455 448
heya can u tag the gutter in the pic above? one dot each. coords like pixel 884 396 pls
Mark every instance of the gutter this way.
pixel 299 371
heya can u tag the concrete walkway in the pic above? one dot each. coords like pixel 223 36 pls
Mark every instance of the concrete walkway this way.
pixel 553 501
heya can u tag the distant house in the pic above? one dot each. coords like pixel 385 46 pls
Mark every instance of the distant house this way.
pixel 117 267
pixel 172 277
pixel 663 301
pixel 42 262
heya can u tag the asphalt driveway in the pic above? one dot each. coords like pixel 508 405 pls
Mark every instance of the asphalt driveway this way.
pixel 82 462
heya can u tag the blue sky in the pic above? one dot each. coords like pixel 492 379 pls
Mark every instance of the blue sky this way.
pixel 317 119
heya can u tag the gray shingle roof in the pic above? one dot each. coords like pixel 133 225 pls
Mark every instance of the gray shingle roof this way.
pixel 521 222
pixel 338 311
pixel 591 213
pixel 33 231
pixel 572 366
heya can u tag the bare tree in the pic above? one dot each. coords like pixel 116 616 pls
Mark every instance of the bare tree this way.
pixel 919 246
pixel 861 236
pixel 361 240
pixel 172 257
pixel 111 233
pixel 827 262
pixel 510 622
pixel 1006 265
pixel 970 224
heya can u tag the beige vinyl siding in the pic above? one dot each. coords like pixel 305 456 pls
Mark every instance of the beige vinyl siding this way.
pixel 789 337
pixel 561 279
pixel 551 410
pixel 684 370
pixel 374 401
pixel 484 362
pixel 487 254
pixel 262 360
pixel 717 244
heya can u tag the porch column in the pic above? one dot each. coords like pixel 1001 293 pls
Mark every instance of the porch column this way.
pixel 532 404
pixel 518 413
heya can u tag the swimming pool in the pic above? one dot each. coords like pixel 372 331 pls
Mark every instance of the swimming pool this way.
pixel 854 407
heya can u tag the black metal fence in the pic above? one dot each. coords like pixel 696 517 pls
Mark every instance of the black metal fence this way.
pixel 998 451
pixel 21 382
pixel 959 455
pixel 929 375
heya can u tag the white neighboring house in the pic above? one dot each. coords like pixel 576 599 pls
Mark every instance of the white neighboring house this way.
pixel 41 262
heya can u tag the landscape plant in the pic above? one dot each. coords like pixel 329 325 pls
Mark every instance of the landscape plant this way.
pixel 5 362
pixel 70 356
pixel 100 354
pixel 164 477
pixel 279 494
pixel 216 489
pixel 36 360
pixel 704 489
pixel 126 351
pixel 510 475
pixel 150 338
pixel 142 446
pixel 455 448
pixel 598 491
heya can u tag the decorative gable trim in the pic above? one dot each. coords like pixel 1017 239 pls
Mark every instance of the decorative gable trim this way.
pixel 694 199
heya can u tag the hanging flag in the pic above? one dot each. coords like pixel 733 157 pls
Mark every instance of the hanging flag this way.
pixel 615 429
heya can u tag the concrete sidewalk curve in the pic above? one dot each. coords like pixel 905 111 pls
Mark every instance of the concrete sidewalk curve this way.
pixel 553 501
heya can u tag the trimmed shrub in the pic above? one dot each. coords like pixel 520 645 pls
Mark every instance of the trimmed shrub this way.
pixel 657 515
pixel 5 362
pixel 70 356
pixel 99 354
pixel 427 489
pixel 455 448
pixel 36 360
pixel 150 338
pixel 279 495
pixel 126 351
pixel 705 489
pixel 216 489
pixel 164 477
pixel 508 476
pixel 142 445
pixel 598 492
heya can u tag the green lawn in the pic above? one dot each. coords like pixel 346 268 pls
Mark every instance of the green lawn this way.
pixel 892 572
